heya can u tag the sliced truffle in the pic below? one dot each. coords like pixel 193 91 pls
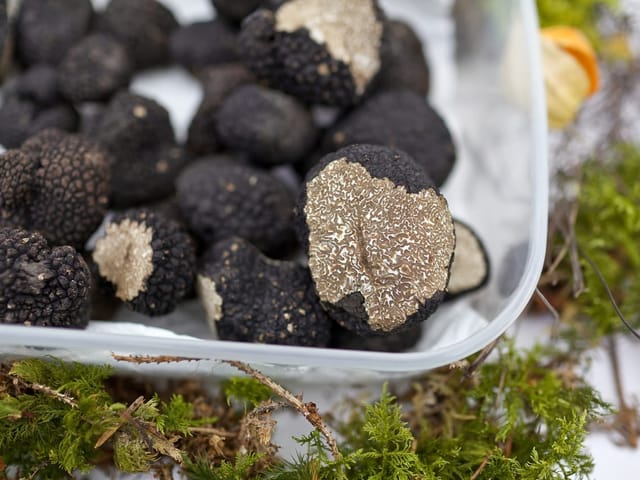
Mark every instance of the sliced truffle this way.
pixel 217 82
pixel 94 69
pixel 403 120
pixel 46 29
pixel 470 267
pixel 379 236
pixel 201 44
pixel 148 258
pixel 143 26
pixel 322 51
pixel 272 127
pixel 393 343
pixel 251 298
pixel 235 10
pixel 39 285
pixel 57 184
pixel 404 65
pixel 221 198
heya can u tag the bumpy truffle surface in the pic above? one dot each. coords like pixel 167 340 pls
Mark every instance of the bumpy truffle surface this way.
pixel 470 268
pixel 57 184
pixel 39 85
pixel 379 237
pixel 46 29
pixel 404 65
pixel 251 298
pixel 235 10
pixel 143 26
pixel 39 285
pixel 148 258
pixel 403 120
pixel 220 198
pixel 94 69
pixel 271 126
pixel 321 51
pixel 218 82
pixel 200 44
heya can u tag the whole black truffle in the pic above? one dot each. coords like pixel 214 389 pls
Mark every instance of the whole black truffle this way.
pixel 403 120
pixel 143 26
pixel 221 198
pixel 56 184
pixel 235 10
pixel 148 258
pixel 6 38
pixel 46 29
pixel 379 236
pixel 393 343
pixel 218 82
pixel 470 267
pixel 322 51
pixel 41 286
pixel 272 127
pixel 38 84
pixel 94 69
pixel 404 65
pixel 251 298
pixel 201 44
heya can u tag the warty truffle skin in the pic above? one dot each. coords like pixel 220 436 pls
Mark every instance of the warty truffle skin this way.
pixel 41 286
pixel 94 68
pixel 399 119
pixel 149 259
pixel 46 29
pixel 220 198
pixel 251 298
pixel 379 237
pixel 270 126
pixel 143 26
pixel 57 184
pixel 320 51
pixel 200 44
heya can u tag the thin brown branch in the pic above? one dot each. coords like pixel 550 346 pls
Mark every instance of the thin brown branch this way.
pixel 480 468
pixel 627 417
pixel 484 354
pixel 212 431
pixel 50 392
pixel 308 410
pixel 141 359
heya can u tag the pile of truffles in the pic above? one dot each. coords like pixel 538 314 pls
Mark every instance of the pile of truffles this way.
pixel 303 208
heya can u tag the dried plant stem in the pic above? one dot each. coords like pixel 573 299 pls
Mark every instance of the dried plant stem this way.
pixel 627 417
pixel 484 354
pixel 308 410
pixel 480 468
pixel 53 394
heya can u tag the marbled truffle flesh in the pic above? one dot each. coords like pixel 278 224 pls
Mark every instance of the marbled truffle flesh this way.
pixel 322 51
pixel 399 119
pixel 379 237
pixel 251 298
pixel 470 268
pixel 39 285
pixel 220 198
pixel 149 259
pixel 271 126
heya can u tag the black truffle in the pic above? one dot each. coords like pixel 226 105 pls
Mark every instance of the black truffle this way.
pixel 272 127
pixel 379 236
pixel 404 65
pixel 6 38
pixel 470 267
pixel 94 69
pixel 56 184
pixel 143 26
pixel 201 44
pixel 220 198
pixel 251 298
pixel 148 258
pixel 393 343
pixel 39 84
pixel 235 10
pixel 217 82
pixel 403 120
pixel 321 51
pixel 41 286
pixel 46 29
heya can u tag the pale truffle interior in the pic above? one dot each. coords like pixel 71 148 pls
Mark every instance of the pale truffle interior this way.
pixel 349 29
pixel 210 300
pixel 469 267
pixel 125 257
pixel 370 236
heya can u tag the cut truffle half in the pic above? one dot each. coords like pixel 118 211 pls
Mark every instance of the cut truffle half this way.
pixel 399 119
pixel 39 285
pixel 149 259
pixel 220 197
pixel 379 237
pixel 470 268
pixel 322 51
pixel 271 126
pixel 251 298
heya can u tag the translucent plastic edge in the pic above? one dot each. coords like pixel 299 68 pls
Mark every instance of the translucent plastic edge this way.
pixel 13 335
